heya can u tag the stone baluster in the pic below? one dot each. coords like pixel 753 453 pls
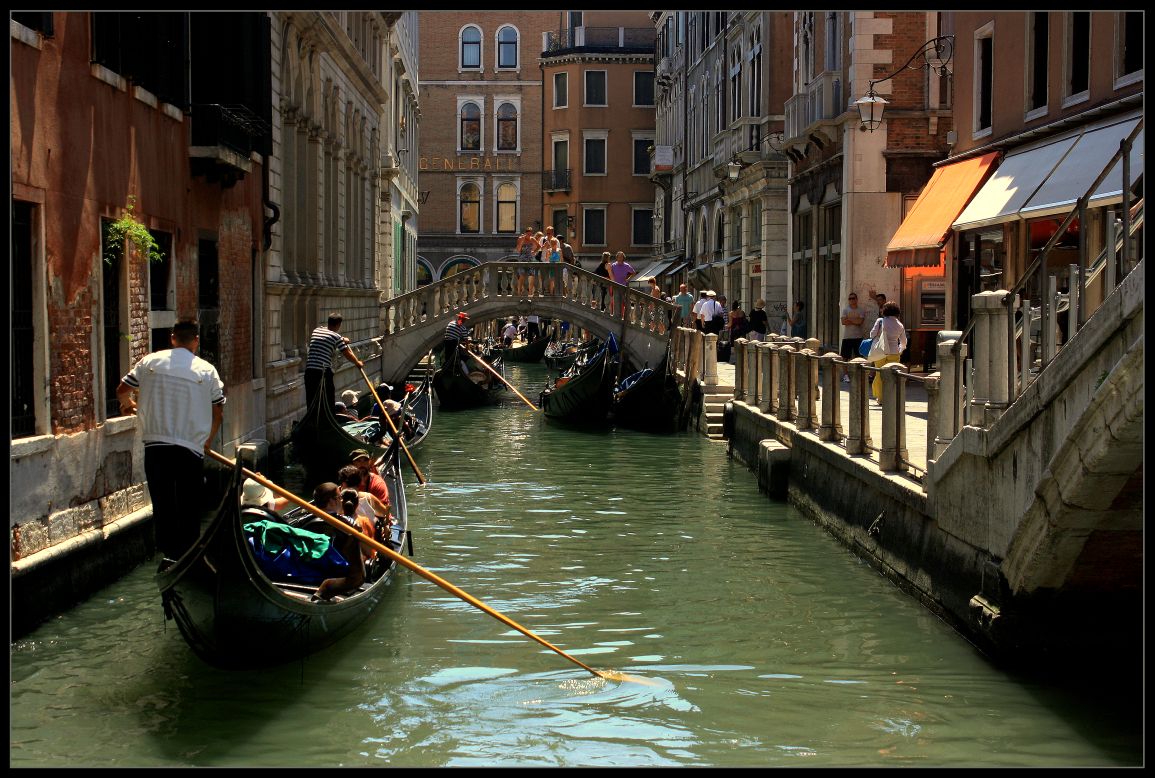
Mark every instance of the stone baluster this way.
pixel 694 358
pixel 858 436
pixel 739 348
pixel 806 374
pixel 999 391
pixel 951 396
pixel 785 382
pixel 892 454
pixel 831 427
pixel 753 365
pixel 934 410
pixel 768 394
pixel 710 361
pixel 982 305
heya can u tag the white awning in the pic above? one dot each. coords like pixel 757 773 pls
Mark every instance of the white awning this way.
pixel 653 271
pixel 1017 178
pixel 1081 166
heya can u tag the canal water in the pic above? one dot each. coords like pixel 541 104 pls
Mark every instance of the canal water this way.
pixel 756 639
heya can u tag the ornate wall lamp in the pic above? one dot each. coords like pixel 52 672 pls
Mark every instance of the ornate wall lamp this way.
pixel 936 55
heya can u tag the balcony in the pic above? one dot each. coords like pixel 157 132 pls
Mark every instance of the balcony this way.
pixel 822 102
pixel 555 180
pixel 595 40
pixel 223 138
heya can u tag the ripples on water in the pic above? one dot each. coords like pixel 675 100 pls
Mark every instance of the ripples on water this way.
pixel 761 641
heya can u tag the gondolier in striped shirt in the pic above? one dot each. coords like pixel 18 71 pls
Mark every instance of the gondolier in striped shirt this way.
pixel 455 332
pixel 324 343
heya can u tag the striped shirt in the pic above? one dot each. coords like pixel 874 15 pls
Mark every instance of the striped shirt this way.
pixel 323 344
pixel 456 331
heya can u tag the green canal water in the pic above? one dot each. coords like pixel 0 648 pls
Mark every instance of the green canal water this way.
pixel 763 642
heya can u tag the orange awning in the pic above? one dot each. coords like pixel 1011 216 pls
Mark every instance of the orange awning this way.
pixel 922 234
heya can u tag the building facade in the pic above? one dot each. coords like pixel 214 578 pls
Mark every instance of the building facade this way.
pixel 597 70
pixel 480 161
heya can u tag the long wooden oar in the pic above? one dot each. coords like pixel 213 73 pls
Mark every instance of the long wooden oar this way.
pixel 500 377
pixel 421 571
pixel 392 427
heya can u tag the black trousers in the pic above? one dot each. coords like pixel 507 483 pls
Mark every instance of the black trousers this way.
pixel 314 380
pixel 175 479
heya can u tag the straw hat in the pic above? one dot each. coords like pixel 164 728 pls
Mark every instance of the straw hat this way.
pixel 253 493
pixel 711 293
pixel 760 304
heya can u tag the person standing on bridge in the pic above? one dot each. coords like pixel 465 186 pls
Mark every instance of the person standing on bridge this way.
pixel 324 344
pixel 527 246
pixel 455 334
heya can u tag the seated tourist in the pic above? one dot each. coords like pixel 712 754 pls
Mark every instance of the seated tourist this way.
pixel 327 497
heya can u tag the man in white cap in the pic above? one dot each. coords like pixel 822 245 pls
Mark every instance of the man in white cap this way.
pixel 713 314
pixel 697 312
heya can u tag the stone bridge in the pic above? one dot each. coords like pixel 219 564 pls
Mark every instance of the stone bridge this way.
pixel 415 322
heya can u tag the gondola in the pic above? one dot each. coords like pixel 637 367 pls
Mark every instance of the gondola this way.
pixel 647 400
pixel 322 445
pixel 529 352
pixel 560 356
pixel 583 393
pixel 418 414
pixel 456 390
pixel 234 616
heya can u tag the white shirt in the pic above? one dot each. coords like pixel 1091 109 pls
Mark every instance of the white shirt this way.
pixel 177 392
pixel 894 334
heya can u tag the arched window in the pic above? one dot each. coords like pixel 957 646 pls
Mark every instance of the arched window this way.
pixel 719 235
pixel 507 48
pixel 458 264
pixel 470 209
pixel 471 48
pixel 507 208
pixel 507 127
pixel 424 272
pixel 470 127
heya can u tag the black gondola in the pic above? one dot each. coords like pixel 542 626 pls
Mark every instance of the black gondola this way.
pixel 456 390
pixel 648 400
pixel 561 356
pixel 234 616
pixel 417 413
pixel 529 352
pixel 584 393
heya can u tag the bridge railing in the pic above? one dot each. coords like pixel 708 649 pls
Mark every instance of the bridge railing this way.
pixel 524 282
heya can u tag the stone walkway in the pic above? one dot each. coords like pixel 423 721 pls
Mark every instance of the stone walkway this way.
pixel 916 424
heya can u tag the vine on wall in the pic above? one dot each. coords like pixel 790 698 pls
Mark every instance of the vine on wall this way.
pixel 127 227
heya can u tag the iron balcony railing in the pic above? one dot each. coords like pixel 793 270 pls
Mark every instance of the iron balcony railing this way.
pixel 555 180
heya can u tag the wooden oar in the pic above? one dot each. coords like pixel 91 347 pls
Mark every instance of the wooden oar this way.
pixel 392 427
pixel 609 675
pixel 500 377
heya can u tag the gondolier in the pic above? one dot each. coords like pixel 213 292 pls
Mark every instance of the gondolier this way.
pixel 455 333
pixel 324 343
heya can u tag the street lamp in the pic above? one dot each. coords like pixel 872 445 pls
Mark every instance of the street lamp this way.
pixel 733 168
pixel 936 54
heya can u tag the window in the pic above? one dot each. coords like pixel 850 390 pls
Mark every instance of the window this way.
pixel 507 208
pixel 642 232
pixel 595 156
pixel 595 87
pixel 162 292
pixel 561 224
pixel 644 87
pixel 470 138
pixel 984 79
pixel 507 127
pixel 560 90
pixel 112 267
pixel 594 228
pixel 756 227
pixel 803 252
pixel 561 155
pixel 471 48
pixel 736 83
pixel 755 79
pixel 1037 60
pixel 470 208
pixel 507 48
pixel 719 235
pixel 642 156
pixel 1130 36
pixel 1078 53
pixel 150 49
pixel 25 375
pixel 833 41
pixel 41 21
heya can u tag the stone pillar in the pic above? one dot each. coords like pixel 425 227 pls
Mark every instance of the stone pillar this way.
pixel 693 358
pixel 858 436
pixel 752 363
pixel 981 305
pixel 831 426
pixel 999 390
pixel 710 363
pixel 933 411
pixel 951 395
pixel 785 382
pixel 892 454
pixel 806 374
pixel 739 350
pixel 768 394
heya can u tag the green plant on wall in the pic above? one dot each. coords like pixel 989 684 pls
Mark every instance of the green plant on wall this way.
pixel 128 228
